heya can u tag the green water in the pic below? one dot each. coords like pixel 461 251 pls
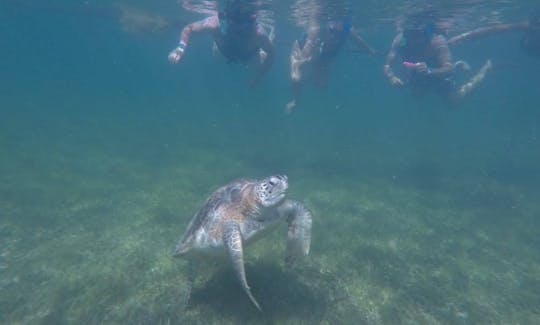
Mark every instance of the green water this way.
pixel 422 214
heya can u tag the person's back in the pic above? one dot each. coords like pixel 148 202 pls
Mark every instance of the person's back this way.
pixel 237 36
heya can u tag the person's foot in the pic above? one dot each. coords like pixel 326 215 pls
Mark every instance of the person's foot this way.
pixel 487 66
pixel 290 106
pixel 462 65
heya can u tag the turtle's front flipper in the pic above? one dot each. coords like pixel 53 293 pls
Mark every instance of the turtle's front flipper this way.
pixel 299 235
pixel 232 238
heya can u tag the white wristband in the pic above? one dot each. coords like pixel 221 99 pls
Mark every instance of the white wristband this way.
pixel 182 46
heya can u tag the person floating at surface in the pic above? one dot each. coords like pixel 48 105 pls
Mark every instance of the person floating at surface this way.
pixel 318 48
pixel 424 53
pixel 530 42
pixel 237 36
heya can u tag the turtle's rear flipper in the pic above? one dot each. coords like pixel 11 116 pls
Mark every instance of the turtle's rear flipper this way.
pixel 232 238
pixel 299 234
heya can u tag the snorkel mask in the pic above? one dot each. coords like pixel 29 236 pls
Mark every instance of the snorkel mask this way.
pixel 420 27
pixel 237 14
pixel 419 34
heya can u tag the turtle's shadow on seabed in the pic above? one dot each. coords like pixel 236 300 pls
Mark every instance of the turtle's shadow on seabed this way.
pixel 280 292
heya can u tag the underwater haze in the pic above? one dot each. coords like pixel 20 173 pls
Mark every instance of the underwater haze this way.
pixel 423 212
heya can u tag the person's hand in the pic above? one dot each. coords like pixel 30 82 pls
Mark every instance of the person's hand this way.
pixel 421 67
pixel 262 56
pixel 176 55
pixel 396 82
pixel 418 67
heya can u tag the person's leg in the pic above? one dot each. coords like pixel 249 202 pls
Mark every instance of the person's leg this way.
pixel 296 61
pixel 475 80
pixel 302 53
pixel 296 89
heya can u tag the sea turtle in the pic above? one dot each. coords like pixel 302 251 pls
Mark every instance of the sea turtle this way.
pixel 239 213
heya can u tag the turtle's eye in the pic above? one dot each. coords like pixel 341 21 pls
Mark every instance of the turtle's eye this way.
pixel 271 182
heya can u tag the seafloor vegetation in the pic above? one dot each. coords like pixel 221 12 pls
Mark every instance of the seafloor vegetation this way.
pixel 85 232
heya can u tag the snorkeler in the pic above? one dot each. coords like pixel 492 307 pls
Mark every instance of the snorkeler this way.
pixel 237 36
pixel 319 47
pixel 530 42
pixel 425 56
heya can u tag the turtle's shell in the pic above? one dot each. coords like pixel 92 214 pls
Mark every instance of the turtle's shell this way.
pixel 236 200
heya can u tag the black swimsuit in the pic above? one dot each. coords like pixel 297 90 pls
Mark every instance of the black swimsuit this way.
pixel 235 46
pixel 419 81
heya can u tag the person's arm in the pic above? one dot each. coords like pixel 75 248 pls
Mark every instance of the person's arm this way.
pixel 207 24
pixel 390 57
pixel 361 43
pixel 487 31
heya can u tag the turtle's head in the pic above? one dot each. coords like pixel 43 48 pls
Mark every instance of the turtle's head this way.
pixel 271 190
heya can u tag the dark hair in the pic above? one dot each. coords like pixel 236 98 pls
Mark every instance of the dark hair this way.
pixel 422 23
pixel 239 11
